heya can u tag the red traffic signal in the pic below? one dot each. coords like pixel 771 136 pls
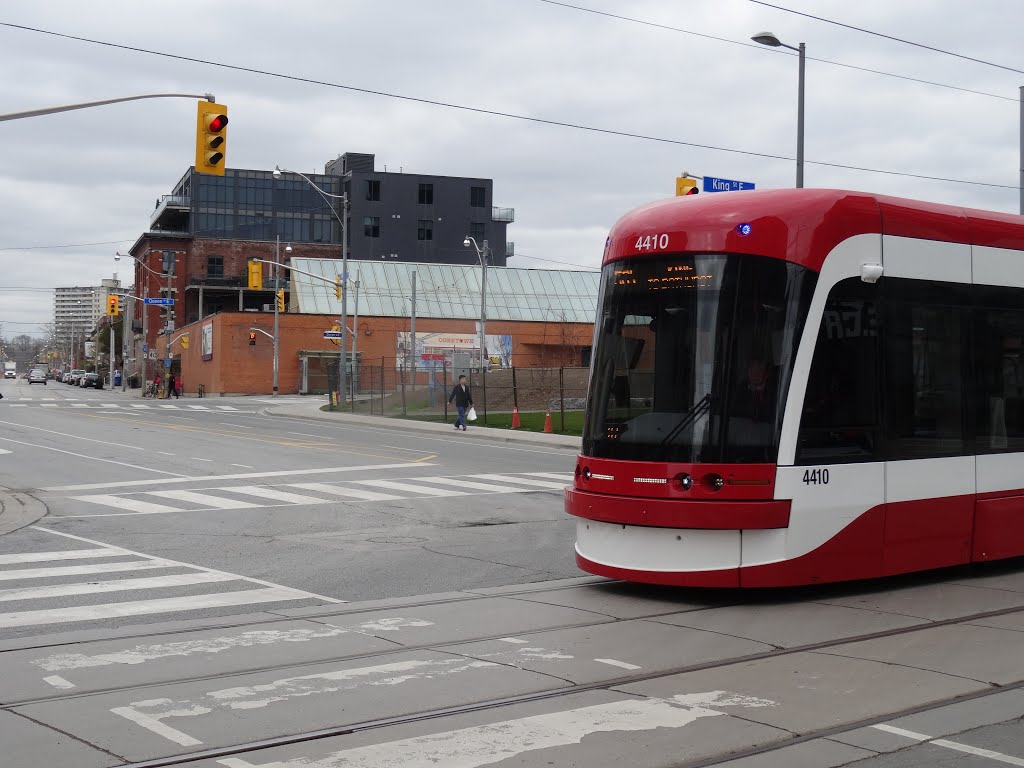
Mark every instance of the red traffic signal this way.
pixel 252 338
pixel 217 124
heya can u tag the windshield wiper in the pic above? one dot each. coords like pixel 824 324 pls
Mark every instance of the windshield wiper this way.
pixel 697 410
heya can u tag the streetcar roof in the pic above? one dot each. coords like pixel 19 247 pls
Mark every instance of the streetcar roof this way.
pixel 799 225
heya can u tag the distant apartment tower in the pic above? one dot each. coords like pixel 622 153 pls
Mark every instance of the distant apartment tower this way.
pixel 79 308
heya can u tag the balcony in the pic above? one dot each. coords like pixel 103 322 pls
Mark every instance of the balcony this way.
pixel 170 208
pixel 217 281
pixel 507 215
pixel 510 249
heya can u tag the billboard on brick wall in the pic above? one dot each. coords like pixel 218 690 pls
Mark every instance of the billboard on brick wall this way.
pixel 208 341
pixel 436 349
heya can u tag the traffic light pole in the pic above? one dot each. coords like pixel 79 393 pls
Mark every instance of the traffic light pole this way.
pixel 277 258
pixel 86 105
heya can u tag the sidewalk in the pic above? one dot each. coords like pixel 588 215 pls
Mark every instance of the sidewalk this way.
pixel 311 411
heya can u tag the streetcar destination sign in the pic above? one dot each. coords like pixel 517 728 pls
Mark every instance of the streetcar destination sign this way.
pixel 711 184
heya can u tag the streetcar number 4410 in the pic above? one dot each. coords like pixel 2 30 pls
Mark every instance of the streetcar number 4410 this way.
pixel 815 477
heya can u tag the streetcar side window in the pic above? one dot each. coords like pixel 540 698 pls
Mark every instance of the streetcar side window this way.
pixel 999 341
pixel 841 414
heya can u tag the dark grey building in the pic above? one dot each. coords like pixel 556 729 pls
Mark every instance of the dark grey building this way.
pixel 389 216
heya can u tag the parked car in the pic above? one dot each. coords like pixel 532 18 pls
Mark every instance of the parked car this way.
pixel 9 374
pixel 37 376
pixel 76 374
pixel 91 380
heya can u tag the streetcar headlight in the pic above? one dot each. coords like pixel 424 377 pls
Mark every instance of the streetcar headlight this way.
pixel 715 481
pixel 586 473
pixel 685 481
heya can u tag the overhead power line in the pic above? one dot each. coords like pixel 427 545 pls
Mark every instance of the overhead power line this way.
pixel 493 112
pixel 66 245
pixel 943 51
pixel 762 49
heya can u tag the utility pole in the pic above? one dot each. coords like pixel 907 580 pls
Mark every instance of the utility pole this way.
pixel 411 352
pixel 355 345
pixel 342 389
pixel 483 307
pixel 277 261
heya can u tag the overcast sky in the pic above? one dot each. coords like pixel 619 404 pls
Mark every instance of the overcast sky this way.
pixel 75 187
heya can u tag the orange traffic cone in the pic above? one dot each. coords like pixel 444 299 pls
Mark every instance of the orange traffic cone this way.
pixel 515 417
pixel 547 422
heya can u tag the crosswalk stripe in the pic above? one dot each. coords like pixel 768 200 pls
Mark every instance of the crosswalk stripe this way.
pixel 225 408
pixel 351 493
pixel 263 492
pixel 79 570
pixel 169 407
pixel 126 502
pixel 70 554
pixel 48 405
pixel 109 405
pixel 198 407
pixel 138 405
pixel 204 499
pixel 80 405
pixel 18 405
pixel 408 487
pixel 115 585
pixel 459 483
pixel 565 477
pixel 148 607
pixel 523 481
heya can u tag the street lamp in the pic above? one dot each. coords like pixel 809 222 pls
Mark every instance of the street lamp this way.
pixel 278 171
pixel 767 38
pixel 481 252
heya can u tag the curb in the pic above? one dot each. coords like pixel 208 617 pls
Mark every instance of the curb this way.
pixel 18 510
pixel 568 442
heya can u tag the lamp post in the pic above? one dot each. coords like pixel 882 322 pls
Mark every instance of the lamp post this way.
pixel 767 38
pixel 481 252
pixel 278 171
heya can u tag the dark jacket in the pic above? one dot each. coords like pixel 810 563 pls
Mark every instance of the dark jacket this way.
pixel 461 396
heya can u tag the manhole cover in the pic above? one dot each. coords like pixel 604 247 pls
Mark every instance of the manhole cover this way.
pixel 396 539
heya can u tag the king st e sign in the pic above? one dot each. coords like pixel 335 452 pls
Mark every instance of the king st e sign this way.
pixel 711 184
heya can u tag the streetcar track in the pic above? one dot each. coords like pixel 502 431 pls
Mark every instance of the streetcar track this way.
pixel 549 694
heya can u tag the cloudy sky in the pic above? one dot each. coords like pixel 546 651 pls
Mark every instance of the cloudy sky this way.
pixel 75 187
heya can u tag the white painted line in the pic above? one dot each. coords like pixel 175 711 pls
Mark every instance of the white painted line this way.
pixel 491 743
pixel 183 478
pixel 126 502
pixel 48 405
pixel 147 607
pixel 198 407
pixel 196 458
pixel 71 554
pixel 204 499
pixel 80 405
pixel 243 466
pixel 48 399
pixel 4 450
pixel 298 592
pixel 109 405
pixel 469 484
pixel 515 640
pixel 262 492
pixel 168 407
pixel 350 493
pixel 78 570
pixel 306 434
pixel 156 727
pixel 165 453
pixel 139 405
pixel 954 745
pixel 615 663
pixel 244 476
pixel 408 487
pixel 565 477
pixel 225 408
pixel 58 682
pixel 18 405
pixel 115 585
pixel 523 481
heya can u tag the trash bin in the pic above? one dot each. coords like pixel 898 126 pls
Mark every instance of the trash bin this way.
pixel 117 378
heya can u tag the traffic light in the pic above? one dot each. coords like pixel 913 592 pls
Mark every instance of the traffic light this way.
pixel 113 305
pixel 211 138
pixel 252 338
pixel 337 287
pixel 280 300
pixel 255 275
pixel 184 342
pixel 685 186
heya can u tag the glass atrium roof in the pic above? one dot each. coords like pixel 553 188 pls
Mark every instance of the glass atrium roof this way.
pixel 449 291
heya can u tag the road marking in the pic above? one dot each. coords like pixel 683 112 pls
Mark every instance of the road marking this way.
pixel 523 481
pixel 156 727
pixel 179 477
pixel 225 408
pixel 109 405
pixel 213 478
pixel 565 477
pixel 243 466
pixel 204 499
pixel 954 745
pixel 615 663
pixel 264 492
pixel 125 502
pixel 318 437
pixel 48 405
pixel 458 483
pixel 58 682
pixel 18 405
pixel 481 745
pixel 80 405
pixel 165 453
pixel 351 493
pixel 302 593
pixel 139 405
pixel 408 487
pixel 4 450
pixel 198 407
pixel 196 458
pixel 115 585
pixel 148 607
pixel 512 640
pixel 167 407
pixel 78 570
pixel 71 554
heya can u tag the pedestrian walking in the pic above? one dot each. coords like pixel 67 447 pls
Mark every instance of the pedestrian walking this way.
pixel 463 401
pixel 178 390
pixel 171 389
pixel 154 390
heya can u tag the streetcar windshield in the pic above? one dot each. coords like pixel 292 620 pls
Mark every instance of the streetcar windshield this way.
pixel 692 357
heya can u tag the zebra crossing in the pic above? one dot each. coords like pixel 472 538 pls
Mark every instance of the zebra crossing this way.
pixel 45 588
pixel 228 497
pixel 53 402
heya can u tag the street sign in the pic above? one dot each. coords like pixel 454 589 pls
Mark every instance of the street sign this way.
pixel 332 334
pixel 711 184
pixel 160 302
pixel 167 363
pixel 145 347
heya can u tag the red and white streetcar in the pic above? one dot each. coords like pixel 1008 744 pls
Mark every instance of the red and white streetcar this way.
pixel 800 386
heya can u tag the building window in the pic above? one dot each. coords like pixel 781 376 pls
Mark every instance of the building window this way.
pixel 478 232
pixel 371 226
pixel 215 266
pixel 373 189
pixel 424 229
pixel 426 196
pixel 477 197
pixel 167 265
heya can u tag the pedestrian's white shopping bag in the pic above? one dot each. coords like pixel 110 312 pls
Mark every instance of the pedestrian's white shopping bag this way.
pixel 471 416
